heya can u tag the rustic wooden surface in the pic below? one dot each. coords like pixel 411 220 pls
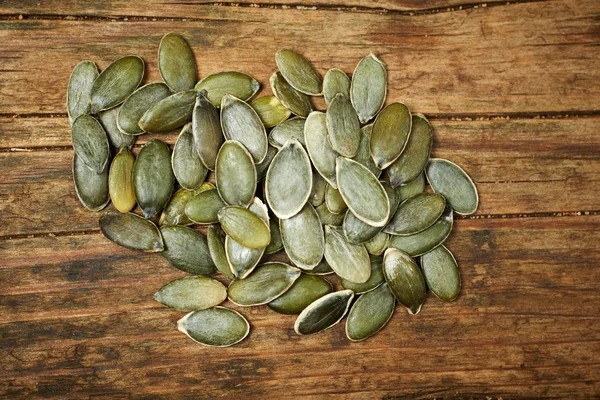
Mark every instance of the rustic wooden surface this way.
pixel 513 93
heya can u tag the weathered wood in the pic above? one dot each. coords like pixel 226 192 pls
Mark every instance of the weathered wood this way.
pixel 471 61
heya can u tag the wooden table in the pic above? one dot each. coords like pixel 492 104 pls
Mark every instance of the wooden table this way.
pixel 513 93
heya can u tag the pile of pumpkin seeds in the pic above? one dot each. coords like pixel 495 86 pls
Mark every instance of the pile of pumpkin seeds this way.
pixel 337 192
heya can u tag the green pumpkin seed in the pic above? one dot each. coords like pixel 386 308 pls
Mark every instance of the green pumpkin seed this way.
pixel 306 289
pixel 235 174
pixel 79 92
pixel 192 293
pixel 349 261
pixel 217 327
pixel 297 102
pixel 362 192
pixel 374 281
pixel 422 242
pixel 298 72
pixel 240 122
pixel 317 193
pixel 334 201
pixel 291 129
pixel 390 134
pixel 234 83
pixel 454 184
pixel 441 273
pixel 363 155
pixel 216 247
pixel 276 239
pixel 117 139
pixel 343 127
pixel 244 227
pixel 263 167
pixel 289 180
pixel 169 113
pixel 120 181
pixel 404 279
pixel 370 313
pixel 137 104
pixel 416 214
pixel 90 143
pixel 368 87
pixel 116 83
pixel 270 110
pixel 153 178
pixel 187 167
pixel 174 212
pixel 187 250
pixel 132 232
pixel 327 217
pixel 377 244
pixel 412 188
pixel 319 149
pixel 322 269
pixel 176 63
pixel 303 238
pixel 415 156
pixel 91 188
pixel 324 312
pixel 206 127
pixel 336 81
pixel 204 207
pixel 266 283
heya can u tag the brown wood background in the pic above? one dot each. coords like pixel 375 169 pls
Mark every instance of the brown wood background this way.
pixel 513 93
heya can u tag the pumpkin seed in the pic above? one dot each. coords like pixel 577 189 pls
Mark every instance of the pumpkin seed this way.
pixel 378 243
pixel 244 227
pixel 298 72
pixel 217 327
pixel 291 129
pixel 370 313
pixel 317 193
pixel 324 312
pixel 153 179
pixel 204 207
pixel 303 238
pixel 441 273
pixel 176 63
pixel 262 168
pixel 416 214
pixel 349 261
pixel 206 128
pixel 240 122
pixel 91 188
pixel 422 242
pixel 305 290
pixel 276 239
pixel 192 293
pixel 187 167
pixel 327 217
pixel 187 250
pixel 319 149
pixel 120 181
pixel 404 279
pixel 390 134
pixel 413 159
pixel 117 139
pixel 363 155
pixel 412 188
pixel 233 83
pixel 131 231
pixel 368 87
pixel 79 92
pixel 116 83
pixel 235 174
pixel 137 104
pixel 266 283
pixel 174 212
pixel 374 281
pixel 336 81
pixel 90 142
pixel 270 110
pixel 297 102
pixel 322 269
pixel 216 247
pixel 454 184
pixel 289 180
pixel 342 126
pixel 334 201
pixel 169 113
pixel 362 192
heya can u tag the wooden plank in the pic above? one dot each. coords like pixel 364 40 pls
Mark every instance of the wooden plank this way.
pixel 471 61
pixel 78 320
